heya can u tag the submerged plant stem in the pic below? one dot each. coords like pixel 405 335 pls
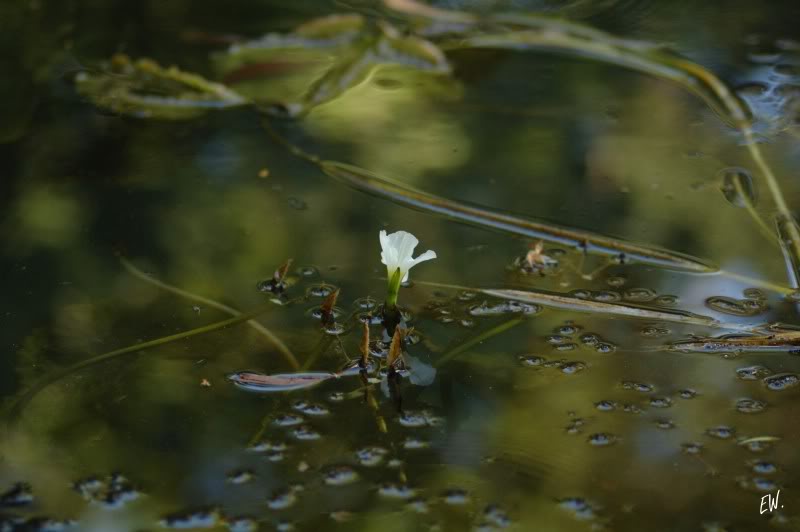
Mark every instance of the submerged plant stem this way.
pixel 26 398
pixel 269 335
pixel 494 331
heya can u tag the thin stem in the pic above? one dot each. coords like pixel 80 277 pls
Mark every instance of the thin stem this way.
pixel 24 399
pixel 494 331
pixel 277 342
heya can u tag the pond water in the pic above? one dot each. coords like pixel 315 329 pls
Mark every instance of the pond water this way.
pixel 130 217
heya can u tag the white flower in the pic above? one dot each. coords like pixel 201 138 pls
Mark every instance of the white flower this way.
pixel 396 250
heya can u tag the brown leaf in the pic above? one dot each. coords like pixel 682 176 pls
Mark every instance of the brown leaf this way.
pixel 327 306
pixel 365 346
pixel 396 348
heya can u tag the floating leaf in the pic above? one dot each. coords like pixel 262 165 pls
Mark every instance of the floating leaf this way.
pixel 145 89
pixel 284 382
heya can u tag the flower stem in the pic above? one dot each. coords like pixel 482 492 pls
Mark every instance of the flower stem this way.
pixel 393 290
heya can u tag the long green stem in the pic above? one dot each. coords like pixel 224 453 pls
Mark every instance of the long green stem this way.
pixel 269 335
pixel 26 398
pixel 494 331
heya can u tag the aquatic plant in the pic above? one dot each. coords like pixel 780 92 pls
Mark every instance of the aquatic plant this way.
pixel 397 251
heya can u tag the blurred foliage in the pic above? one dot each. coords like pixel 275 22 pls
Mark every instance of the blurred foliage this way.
pixel 575 141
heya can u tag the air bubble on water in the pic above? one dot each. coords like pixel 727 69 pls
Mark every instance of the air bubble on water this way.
pixel 418 418
pixel 320 290
pixel 630 408
pixel 654 332
pixel 781 381
pixel 371 456
pixel 691 448
pixel 665 424
pixel 532 360
pixel 392 490
pixel 579 507
pixel 667 300
pixel 317 312
pixel 242 524
pixel 267 445
pixel 307 271
pixel 112 492
pixel 284 526
pixel 736 307
pixel 310 409
pixel 641 387
pixel 605 406
pixel 759 484
pixel 754 293
pixel 413 443
pixel 757 446
pixel 504 307
pixel 466 323
pixel 496 516
pixel 590 339
pixel 282 499
pixel 567 329
pixel 467 295
pixel 752 373
pixel 340 475
pixel 456 496
pixel 287 420
pixel 365 303
pixel 605 348
pixel 750 406
pixel 606 296
pixel 334 329
pixel 688 393
pixel 336 397
pixel 602 439
pixel 305 433
pixel 639 294
pixel 418 505
pixel 660 402
pixel 570 368
pixel 763 467
pixel 240 476
pixel 616 281
pixel 569 346
pixel 575 426
pixel 722 432
pixel 198 518
pixel 556 339
pixel 20 494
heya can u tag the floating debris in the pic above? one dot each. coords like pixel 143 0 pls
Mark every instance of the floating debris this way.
pixel 284 382
pixel 311 409
pixel 305 433
pixel 752 373
pixel 750 406
pixel 637 386
pixel 722 432
pixel 419 418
